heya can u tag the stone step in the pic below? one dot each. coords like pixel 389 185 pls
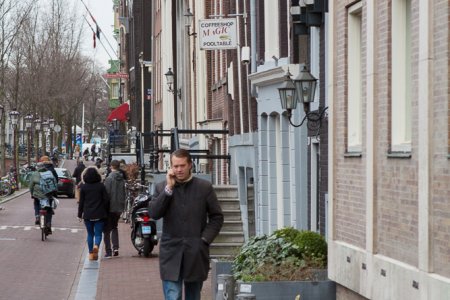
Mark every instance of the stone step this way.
pixel 227 249
pixel 226 191
pixel 229 237
pixel 229 204
pixel 232 214
pixel 235 226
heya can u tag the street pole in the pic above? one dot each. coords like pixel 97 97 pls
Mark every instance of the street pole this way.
pixel 14 117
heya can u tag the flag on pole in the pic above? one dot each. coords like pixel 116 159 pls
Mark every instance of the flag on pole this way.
pixel 94 37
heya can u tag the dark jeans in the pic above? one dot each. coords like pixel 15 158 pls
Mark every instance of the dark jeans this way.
pixel 37 207
pixel 111 233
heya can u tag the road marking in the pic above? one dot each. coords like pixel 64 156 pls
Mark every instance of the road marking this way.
pixel 27 228
pixel 7 239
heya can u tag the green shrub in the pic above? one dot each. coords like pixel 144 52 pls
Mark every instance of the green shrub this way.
pixel 287 254
pixel 288 233
pixel 313 247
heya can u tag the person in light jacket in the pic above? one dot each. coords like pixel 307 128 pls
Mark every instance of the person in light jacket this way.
pixel 192 218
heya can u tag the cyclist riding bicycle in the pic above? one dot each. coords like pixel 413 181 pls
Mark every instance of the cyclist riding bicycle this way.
pixel 38 193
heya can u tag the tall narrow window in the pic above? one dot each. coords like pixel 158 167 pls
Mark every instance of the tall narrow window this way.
pixel 401 76
pixel 354 102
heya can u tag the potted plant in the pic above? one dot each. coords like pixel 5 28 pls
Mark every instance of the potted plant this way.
pixel 283 265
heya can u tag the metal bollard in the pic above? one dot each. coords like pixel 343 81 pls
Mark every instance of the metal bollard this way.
pixel 246 297
pixel 225 287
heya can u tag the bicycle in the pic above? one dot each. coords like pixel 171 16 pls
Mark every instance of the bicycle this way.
pixel 5 187
pixel 131 189
pixel 43 218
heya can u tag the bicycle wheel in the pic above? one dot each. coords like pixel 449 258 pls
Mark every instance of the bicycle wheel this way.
pixel 5 189
pixel 128 209
pixel 42 225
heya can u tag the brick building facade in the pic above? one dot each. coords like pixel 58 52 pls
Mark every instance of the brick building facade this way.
pixel 389 227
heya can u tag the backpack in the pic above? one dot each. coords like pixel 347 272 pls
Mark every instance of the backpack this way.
pixel 47 182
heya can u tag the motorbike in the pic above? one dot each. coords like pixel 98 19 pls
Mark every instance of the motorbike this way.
pixel 143 228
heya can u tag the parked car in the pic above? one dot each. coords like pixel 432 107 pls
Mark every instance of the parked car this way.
pixel 66 183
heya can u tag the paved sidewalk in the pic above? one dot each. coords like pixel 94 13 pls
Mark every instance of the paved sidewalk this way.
pixel 130 276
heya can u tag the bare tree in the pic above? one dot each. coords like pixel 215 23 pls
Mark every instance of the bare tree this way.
pixel 12 16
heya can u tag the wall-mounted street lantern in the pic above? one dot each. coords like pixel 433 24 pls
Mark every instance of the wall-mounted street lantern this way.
pixel 188 17
pixel 170 80
pixel 301 89
pixel 176 92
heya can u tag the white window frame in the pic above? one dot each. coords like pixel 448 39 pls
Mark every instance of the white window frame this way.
pixel 401 76
pixel 354 84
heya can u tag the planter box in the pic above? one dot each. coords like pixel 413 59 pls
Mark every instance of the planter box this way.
pixel 288 290
pixel 218 267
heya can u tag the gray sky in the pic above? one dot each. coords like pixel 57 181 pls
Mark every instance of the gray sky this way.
pixel 102 10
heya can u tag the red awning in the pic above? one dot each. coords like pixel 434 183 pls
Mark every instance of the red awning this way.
pixel 120 113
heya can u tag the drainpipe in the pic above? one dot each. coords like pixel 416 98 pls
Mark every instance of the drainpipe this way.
pixel 241 113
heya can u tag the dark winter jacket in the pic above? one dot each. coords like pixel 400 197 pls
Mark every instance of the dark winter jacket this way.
pixel 192 218
pixel 115 186
pixel 78 171
pixel 94 200
pixel 49 166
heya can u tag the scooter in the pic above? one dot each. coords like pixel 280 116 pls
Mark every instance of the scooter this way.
pixel 143 229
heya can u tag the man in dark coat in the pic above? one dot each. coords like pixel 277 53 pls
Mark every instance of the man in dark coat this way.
pixel 192 218
pixel 115 186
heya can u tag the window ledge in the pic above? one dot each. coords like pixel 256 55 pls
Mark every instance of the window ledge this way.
pixel 398 154
pixel 352 154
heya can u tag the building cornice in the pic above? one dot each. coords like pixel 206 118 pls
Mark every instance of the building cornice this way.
pixel 273 75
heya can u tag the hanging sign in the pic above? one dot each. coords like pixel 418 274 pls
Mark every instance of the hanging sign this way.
pixel 115 75
pixel 217 34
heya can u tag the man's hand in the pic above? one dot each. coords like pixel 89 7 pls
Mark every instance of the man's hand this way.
pixel 170 179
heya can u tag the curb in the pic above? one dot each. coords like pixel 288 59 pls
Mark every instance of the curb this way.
pixel 16 194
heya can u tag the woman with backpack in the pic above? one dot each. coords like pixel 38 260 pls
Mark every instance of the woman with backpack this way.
pixel 93 208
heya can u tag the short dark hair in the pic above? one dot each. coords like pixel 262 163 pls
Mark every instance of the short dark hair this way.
pixel 181 153
pixel 115 164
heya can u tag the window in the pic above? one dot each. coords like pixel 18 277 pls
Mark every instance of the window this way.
pixel 401 76
pixel 354 84
pixel 114 90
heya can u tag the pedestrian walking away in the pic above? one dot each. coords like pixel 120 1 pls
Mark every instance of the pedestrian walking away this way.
pixel 115 187
pixel 77 175
pixel 93 208
pixel 192 218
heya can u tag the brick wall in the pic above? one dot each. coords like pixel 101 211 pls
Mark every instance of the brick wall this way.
pixel 440 186
pixel 396 179
pixel 350 175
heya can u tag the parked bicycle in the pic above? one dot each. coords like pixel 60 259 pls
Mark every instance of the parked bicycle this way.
pixel 132 189
pixel 5 187
pixel 25 173
pixel 8 184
